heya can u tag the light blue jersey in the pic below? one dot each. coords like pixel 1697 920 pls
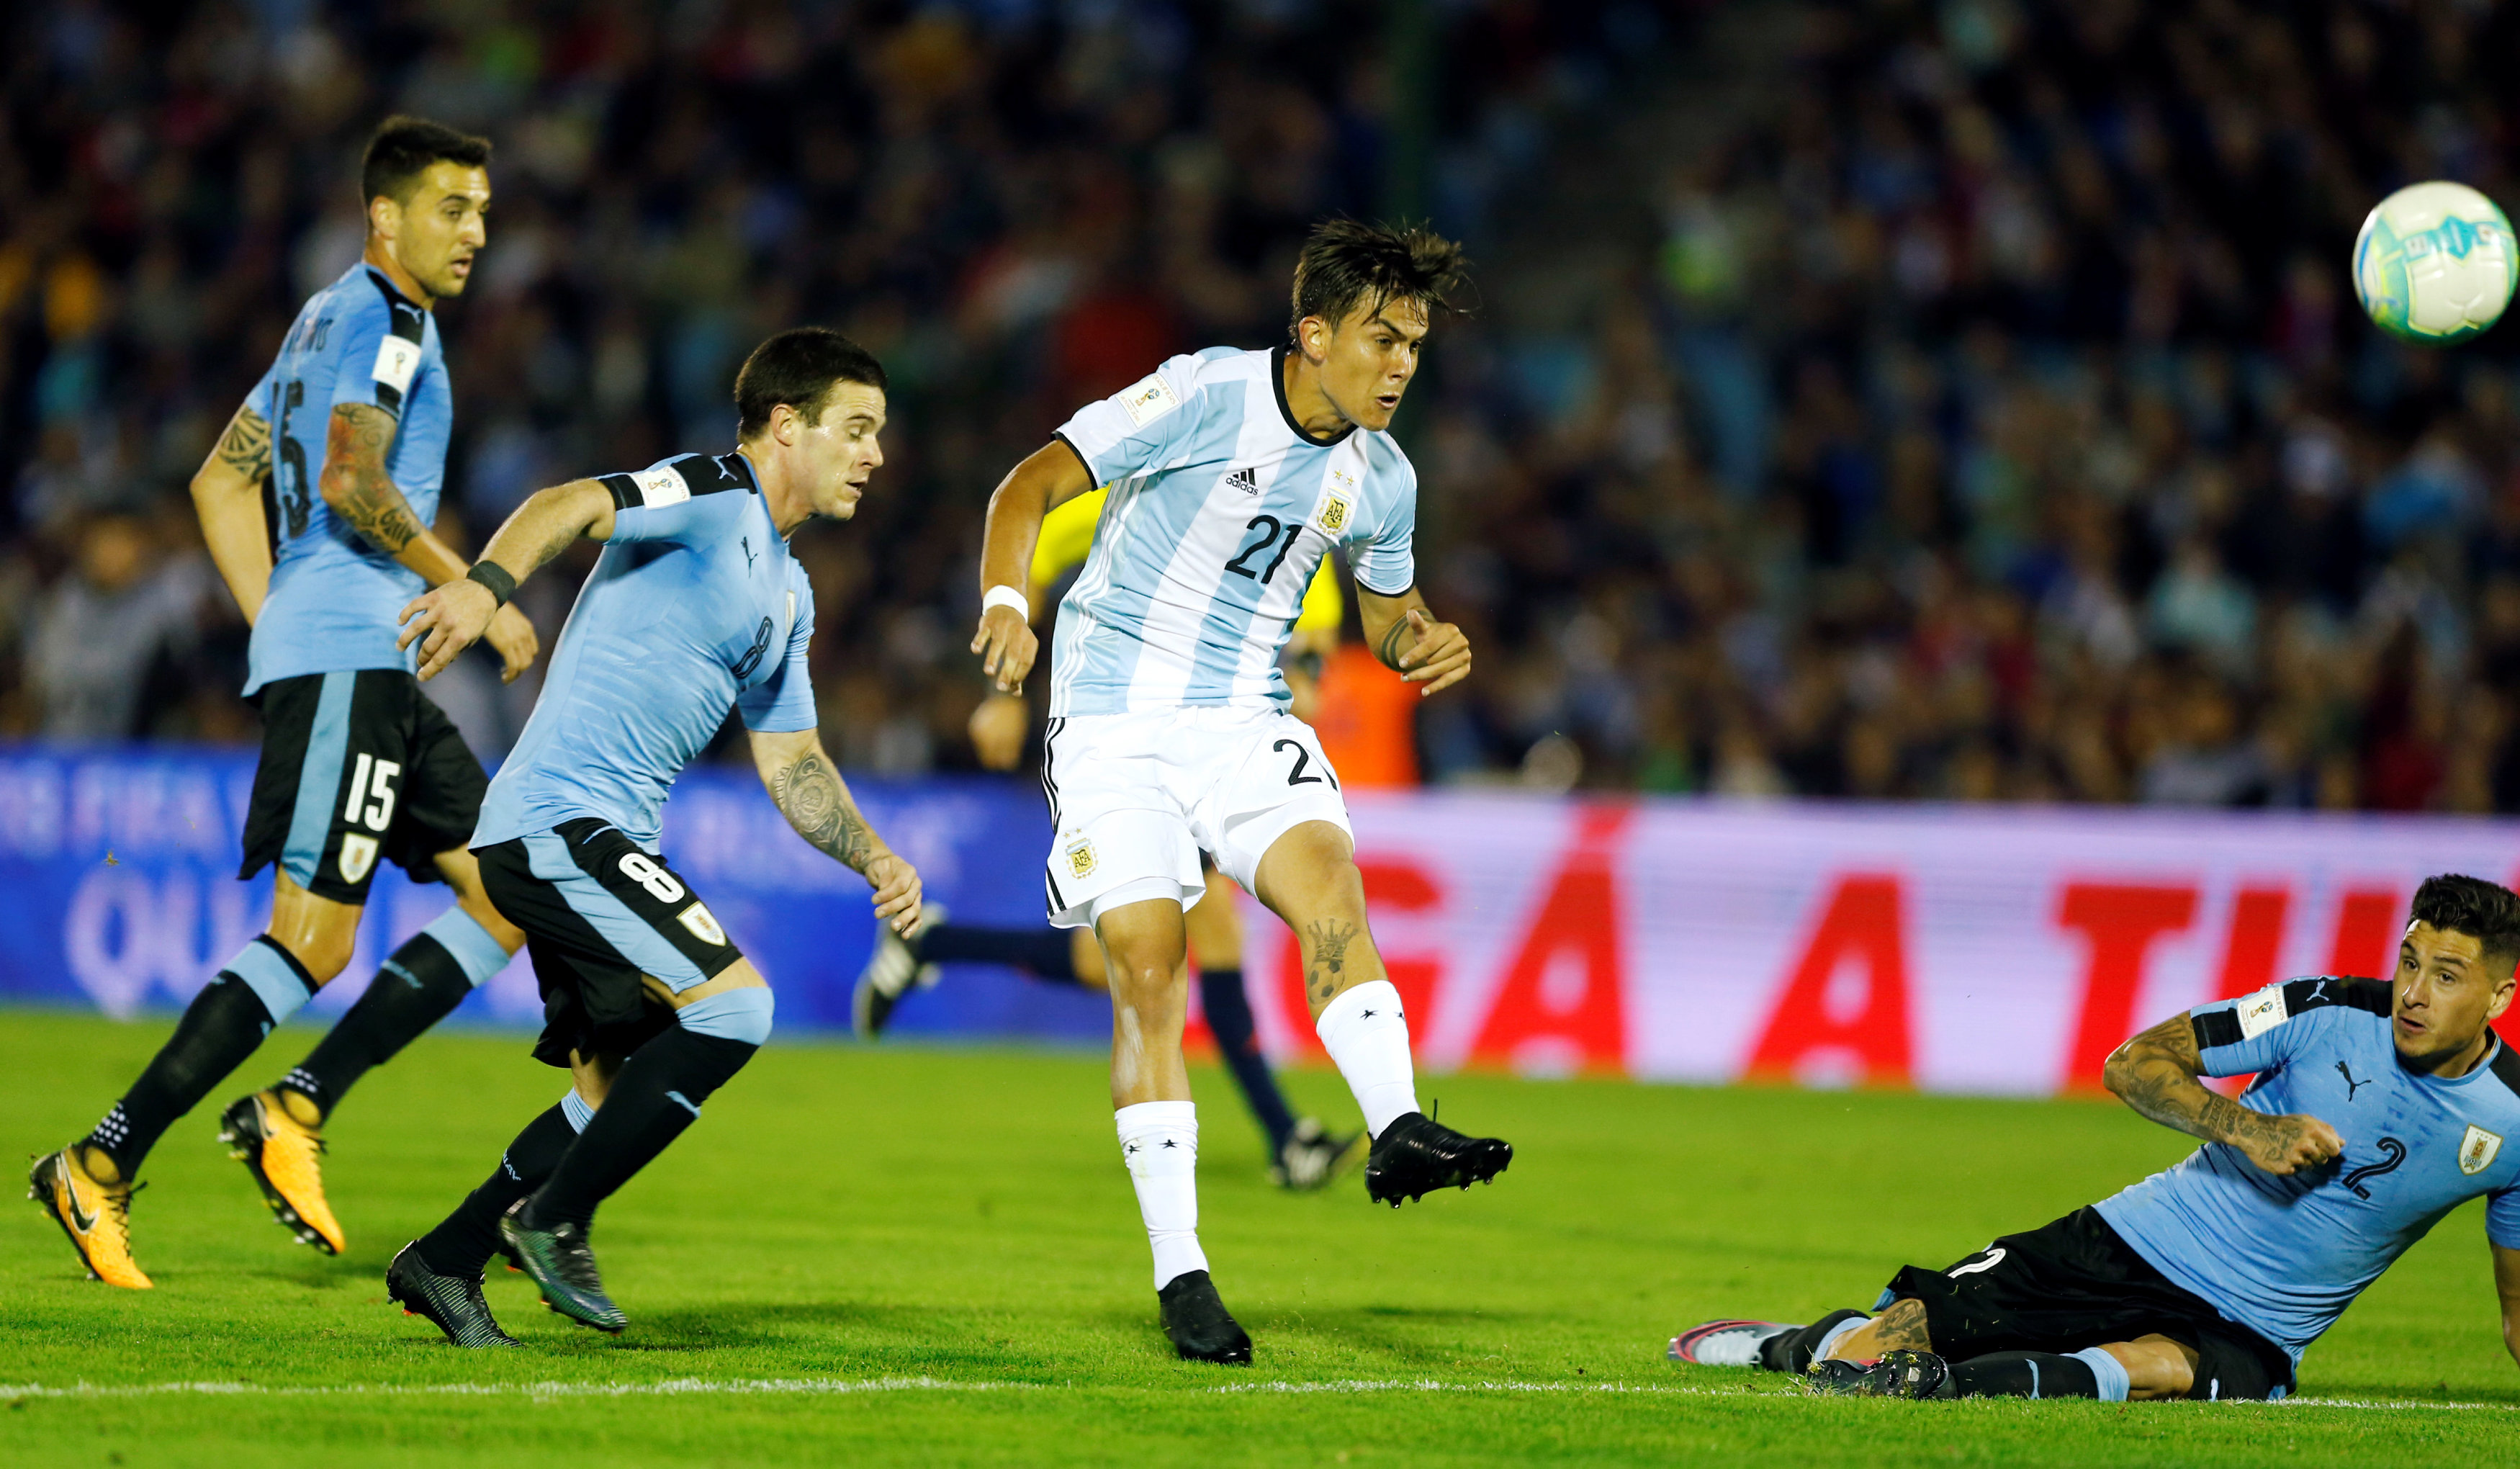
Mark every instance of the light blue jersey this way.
pixel 695 606
pixel 2284 1257
pixel 334 598
pixel 1220 510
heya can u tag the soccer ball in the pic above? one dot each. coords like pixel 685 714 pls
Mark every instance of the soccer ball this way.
pixel 2435 263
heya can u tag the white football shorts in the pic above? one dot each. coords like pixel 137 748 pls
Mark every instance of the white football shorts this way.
pixel 1135 798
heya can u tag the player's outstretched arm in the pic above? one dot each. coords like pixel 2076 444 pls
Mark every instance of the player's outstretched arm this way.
pixel 452 616
pixel 2156 1074
pixel 226 494
pixel 1405 636
pixel 806 786
pixel 1050 477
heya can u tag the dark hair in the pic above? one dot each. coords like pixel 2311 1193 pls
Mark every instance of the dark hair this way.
pixel 403 148
pixel 2487 912
pixel 799 367
pixel 1345 262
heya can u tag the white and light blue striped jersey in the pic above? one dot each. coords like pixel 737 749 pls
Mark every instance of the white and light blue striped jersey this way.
pixel 1220 510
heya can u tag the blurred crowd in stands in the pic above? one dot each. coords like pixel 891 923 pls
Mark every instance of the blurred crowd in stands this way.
pixel 1985 415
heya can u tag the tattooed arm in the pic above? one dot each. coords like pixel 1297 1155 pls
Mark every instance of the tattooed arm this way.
pixel 1408 639
pixel 354 483
pixel 808 791
pixel 226 494
pixel 2156 1074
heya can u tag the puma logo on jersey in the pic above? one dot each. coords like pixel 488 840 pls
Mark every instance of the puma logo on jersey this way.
pixel 1245 479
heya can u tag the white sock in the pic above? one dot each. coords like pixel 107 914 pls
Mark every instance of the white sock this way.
pixel 1159 1141
pixel 1367 1038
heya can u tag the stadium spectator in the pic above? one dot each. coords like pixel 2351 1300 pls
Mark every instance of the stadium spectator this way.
pixel 1980 412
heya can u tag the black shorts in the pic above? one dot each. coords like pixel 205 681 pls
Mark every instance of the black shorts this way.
pixel 357 766
pixel 600 915
pixel 2076 1284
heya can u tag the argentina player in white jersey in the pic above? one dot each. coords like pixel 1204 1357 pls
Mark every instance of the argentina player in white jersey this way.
pixel 694 607
pixel 2376 1110
pixel 1231 475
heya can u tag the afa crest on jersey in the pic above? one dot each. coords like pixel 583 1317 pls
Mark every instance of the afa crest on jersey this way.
pixel 2478 1150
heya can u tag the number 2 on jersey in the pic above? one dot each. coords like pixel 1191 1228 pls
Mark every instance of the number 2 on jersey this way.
pixel 1268 527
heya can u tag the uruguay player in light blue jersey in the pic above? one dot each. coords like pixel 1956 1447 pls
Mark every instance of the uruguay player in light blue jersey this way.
pixel 2376 1109
pixel 315 506
pixel 1231 475
pixel 695 606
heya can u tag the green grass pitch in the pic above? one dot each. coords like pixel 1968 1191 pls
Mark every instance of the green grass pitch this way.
pixel 933 1256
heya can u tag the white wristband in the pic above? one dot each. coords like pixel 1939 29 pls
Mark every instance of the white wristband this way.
pixel 1006 596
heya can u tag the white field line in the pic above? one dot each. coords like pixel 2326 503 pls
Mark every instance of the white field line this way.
pixel 669 1388
pixel 833 1386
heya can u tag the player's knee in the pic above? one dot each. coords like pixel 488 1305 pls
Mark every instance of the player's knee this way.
pixel 730 1015
pixel 325 955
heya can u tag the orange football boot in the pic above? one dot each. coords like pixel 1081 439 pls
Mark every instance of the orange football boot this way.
pixel 282 1153
pixel 96 1217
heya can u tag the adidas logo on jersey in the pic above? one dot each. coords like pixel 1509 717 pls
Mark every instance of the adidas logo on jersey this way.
pixel 1245 479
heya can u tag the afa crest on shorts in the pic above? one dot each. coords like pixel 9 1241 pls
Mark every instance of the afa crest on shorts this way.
pixel 2478 1150
pixel 1080 857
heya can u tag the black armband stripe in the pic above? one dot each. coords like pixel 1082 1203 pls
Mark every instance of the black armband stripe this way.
pixel 712 474
pixel 2300 996
pixel 405 319
pixel 2505 1065
pixel 623 489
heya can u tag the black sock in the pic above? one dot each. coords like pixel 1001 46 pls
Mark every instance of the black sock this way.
pixel 416 988
pixel 464 1243
pixel 1792 1351
pixel 2025 1374
pixel 658 1094
pixel 223 1024
pixel 1046 952
pixel 1238 1041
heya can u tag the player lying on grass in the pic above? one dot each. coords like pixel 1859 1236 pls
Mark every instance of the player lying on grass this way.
pixel 346 434
pixel 696 605
pixel 2377 1108
pixel 1303 1154
pixel 1231 474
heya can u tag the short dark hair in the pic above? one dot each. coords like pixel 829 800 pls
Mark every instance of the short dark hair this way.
pixel 799 367
pixel 2487 912
pixel 1345 262
pixel 402 150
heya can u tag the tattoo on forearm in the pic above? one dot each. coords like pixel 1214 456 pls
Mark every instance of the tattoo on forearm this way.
pixel 355 481
pixel 1388 650
pixel 816 804
pixel 2155 1074
pixel 1326 968
pixel 246 447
